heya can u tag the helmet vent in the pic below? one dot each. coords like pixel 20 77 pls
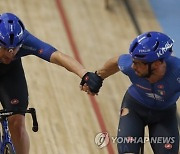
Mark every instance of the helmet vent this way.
pixel 148 35
pixel 0 21
pixel 135 45
pixel 10 21
pixel 11 38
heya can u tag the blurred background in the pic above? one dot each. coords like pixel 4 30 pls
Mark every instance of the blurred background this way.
pixel 92 31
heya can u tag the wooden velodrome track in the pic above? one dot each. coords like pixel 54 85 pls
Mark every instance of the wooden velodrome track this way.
pixel 68 118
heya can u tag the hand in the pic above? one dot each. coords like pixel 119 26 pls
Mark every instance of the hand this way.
pixel 87 90
pixel 91 83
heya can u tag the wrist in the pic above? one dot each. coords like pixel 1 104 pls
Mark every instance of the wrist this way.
pixel 82 73
pixel 99 74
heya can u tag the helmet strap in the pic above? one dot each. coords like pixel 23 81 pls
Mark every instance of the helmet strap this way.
pixel 149 70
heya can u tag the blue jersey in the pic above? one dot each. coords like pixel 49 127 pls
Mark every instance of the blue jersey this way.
pixel 34 46
pixel 159 95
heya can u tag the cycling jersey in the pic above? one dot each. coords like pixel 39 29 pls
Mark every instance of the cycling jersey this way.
pixel 159 95
pixel 34 46
pixel 13 87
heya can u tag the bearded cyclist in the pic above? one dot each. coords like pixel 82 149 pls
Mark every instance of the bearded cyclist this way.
pixel 151 98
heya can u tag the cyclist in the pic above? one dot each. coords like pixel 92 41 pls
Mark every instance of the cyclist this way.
pixel 151 98
pixel 16 42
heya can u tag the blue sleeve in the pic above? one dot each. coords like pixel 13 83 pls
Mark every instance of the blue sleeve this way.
pixel 34 46
pixel 124 64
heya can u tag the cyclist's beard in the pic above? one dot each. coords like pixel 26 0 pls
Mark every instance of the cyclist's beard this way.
pixel 144 75
pixel 147 75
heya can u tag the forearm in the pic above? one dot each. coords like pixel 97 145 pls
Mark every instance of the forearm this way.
pixel 109 68
pixel 68 62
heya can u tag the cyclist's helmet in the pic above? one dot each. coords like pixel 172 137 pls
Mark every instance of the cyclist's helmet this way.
pixel 11 30
pixel 151 46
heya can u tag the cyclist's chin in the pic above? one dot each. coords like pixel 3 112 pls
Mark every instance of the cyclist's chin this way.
pixel 141 75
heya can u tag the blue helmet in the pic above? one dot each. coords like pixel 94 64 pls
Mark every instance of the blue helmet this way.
pixel 151 46
pixel 11 30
